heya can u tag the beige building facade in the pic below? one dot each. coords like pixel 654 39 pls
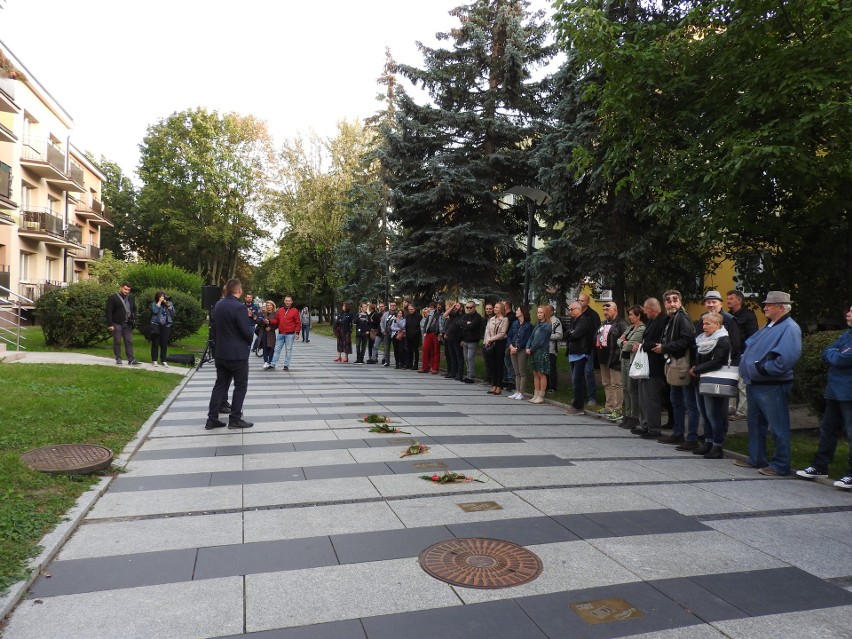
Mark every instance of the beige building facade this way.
pixel 51 208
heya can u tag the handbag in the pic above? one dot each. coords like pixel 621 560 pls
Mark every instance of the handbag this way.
pixel 677 371
pixel 639 368
pixel 155 328
pixel 723 382
pixel 400 336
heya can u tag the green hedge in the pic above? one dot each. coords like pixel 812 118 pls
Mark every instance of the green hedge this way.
pixel 811 372
pixel 188 318
pixel 74 316
pixel 165 277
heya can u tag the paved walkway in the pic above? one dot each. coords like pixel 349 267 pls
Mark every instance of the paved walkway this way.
pixel 309 526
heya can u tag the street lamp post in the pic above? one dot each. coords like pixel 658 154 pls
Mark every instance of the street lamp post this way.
pixel 536 197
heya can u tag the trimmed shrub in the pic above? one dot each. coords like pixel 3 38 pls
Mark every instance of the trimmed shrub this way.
pixel 811 371
pixel 164 277
pixel 188 318
pixel 74 316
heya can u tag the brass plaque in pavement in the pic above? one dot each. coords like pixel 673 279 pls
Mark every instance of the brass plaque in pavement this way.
pixel 606 610
pixel 433 465
pixel 477 506
pixel 402 440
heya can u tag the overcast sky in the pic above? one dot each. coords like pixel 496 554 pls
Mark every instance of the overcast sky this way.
pixel 118 66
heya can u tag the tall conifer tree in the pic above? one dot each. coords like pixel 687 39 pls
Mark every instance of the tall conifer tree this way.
pixel 449 162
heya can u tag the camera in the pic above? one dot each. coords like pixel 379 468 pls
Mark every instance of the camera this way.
pixel 167 298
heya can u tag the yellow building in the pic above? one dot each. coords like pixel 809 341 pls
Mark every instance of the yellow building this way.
pixel 51 210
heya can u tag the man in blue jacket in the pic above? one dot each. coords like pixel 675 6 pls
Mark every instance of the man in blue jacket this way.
pixel 766 367
pixel 233 337
pixel 838 409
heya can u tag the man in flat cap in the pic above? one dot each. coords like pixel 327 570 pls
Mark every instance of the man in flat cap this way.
pixel 766 367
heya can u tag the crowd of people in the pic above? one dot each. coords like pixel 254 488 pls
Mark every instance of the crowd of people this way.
pixel 702 374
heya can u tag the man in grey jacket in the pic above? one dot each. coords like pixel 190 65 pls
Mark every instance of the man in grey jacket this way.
pixel 556 334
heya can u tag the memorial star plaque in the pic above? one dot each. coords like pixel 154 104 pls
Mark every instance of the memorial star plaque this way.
pixel 479 506
pixel 606 610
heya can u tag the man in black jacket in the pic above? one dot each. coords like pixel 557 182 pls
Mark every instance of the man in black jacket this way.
pixel 120 313
pixel 747 323
pixel 609 359
pixel 471 332
pixel 580 340
pixel 651 388
pixel 233 337
pixel 678 342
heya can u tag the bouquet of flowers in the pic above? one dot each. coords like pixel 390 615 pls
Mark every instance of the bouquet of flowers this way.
pixel 387 430
pixel 450 477
pixel 373 418
pixel 415 449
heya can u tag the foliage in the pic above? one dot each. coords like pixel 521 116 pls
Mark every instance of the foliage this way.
pixel 730 121
pixel 205 199
pixel 447 164
pixel 108 270
pixel 119 195
pixel 60 404
pixel 74 315
pixel 811 373
pixel 188 319
pixel 165 277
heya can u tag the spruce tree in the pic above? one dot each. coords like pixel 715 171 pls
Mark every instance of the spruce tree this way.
pixel 448 163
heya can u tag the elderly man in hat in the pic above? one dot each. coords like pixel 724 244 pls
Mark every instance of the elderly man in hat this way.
pixel 766 367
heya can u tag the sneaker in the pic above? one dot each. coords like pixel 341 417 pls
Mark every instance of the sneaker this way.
pixel 118 362
pixel 811 473
pixel 164 365
pixel 742 463
pixel 551 390
pixel 225 409
pixel 768 471
pixel 844 482
pixel 385 364
pixel 134 362
pixel 615 416
pixel 239 423
pixel 153 363
pixel 736 417
pixel 214 423
pixel 265 365
pixel 602 411
pixel 287 368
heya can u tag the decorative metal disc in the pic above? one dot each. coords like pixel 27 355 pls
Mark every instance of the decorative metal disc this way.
pixel 477 562
pixel 68 459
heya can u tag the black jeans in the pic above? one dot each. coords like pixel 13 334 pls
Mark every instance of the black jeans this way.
pixel 361 346
pixel 413 351
pixel 455 360
pixel 228 370
pixel 494 356
pixel 552 377
pixel 160 343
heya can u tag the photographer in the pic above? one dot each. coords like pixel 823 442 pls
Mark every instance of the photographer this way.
pixel 120 315
pixel 162 314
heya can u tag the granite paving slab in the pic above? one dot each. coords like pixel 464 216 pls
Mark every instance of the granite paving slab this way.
pixel 163 467
pixel 159 502
pixel 584 499
pixel 445 509
pixel 688 499
pixel 826 623
pixel 411 485
pixel 309 492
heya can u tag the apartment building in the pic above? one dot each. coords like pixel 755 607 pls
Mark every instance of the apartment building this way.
pixel 51 209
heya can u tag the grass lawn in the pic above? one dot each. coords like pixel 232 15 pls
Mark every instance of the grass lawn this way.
pixel 803 445
pixel 60 404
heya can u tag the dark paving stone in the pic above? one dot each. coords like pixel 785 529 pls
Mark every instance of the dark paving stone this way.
pixel 266 556
pixel 176 453
pixel 388 544
pixel 436 414
pixel 518 461
pixel 774 591
pixel 409 466
pixel 525 531
pixel 266 476
pixel 554 616
pixel 349 629
pixel 161 482
pixel 331 444
pixel 107 573
pixel 646 522
pixel 251 449
pixel 701 602
pixel 478 439
pixel 582 526
pixel 333 471
pixel 495 620
pixel 394 439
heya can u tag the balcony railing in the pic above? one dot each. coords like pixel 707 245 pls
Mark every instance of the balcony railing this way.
pixel 42 151
pixel 75 234
pixel 5 276
pixel 34 290
pixel 75 172
pixel 97 206
pixel 88 252
pixel 42 220
pixel 5 181
pixel 7 86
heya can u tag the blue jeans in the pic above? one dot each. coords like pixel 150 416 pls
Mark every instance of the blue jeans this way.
pixel 591 385
pixel 715 412
pixel 470 359
pixel 578 379
pixel 285 342
pixel 306 332
pixel 837 418
pixel 768 412
pixel 684 400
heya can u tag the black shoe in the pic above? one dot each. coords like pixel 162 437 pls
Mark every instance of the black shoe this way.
pixel 468 380
pixel 448 375
pixel 225 409
pixel 651 434
pixel 285 368
pixel 703 449
pixel 671 439
pixel 134 362
pixel 688 446
pixel 637 430
pixel 239 423
pixel 214 423
pixel 715 452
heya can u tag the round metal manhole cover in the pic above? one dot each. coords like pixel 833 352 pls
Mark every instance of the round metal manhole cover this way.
pixel 480 563
pixel 68 459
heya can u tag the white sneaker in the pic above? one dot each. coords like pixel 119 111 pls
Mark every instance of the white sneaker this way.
pixel 164 365
pixel 519 395
pixel 153 363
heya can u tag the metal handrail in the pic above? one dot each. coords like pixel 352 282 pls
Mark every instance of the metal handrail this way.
pixel 19 301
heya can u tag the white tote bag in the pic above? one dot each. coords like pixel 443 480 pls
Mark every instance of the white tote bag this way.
pixel 639 367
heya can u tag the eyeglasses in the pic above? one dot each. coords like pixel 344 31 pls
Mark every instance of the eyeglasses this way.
pixel 470 307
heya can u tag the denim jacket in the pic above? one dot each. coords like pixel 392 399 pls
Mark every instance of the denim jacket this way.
pixel 771 353
pixel 839 359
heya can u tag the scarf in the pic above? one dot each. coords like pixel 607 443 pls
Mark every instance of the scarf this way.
pixel 706 343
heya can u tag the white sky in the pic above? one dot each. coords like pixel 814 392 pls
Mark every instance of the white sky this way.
pixel 118 66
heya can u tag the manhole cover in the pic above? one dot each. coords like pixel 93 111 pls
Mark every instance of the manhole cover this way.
pixel 480 563
pixel 68 459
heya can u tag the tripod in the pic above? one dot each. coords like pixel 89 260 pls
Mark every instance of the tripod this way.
pixel 210 347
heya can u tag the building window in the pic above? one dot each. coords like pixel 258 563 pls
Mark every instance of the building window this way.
pixel 26 258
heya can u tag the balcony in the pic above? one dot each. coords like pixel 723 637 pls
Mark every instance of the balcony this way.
pixel 48 162
pixel 75 172
pixel 44 226
pixel 34 290
pixel 5 278
pixel 7 94
pixel 6 135
pixel 88 253
pixel 6 203
pixel 96 213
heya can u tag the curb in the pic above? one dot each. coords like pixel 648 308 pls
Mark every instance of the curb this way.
pixel 53 541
